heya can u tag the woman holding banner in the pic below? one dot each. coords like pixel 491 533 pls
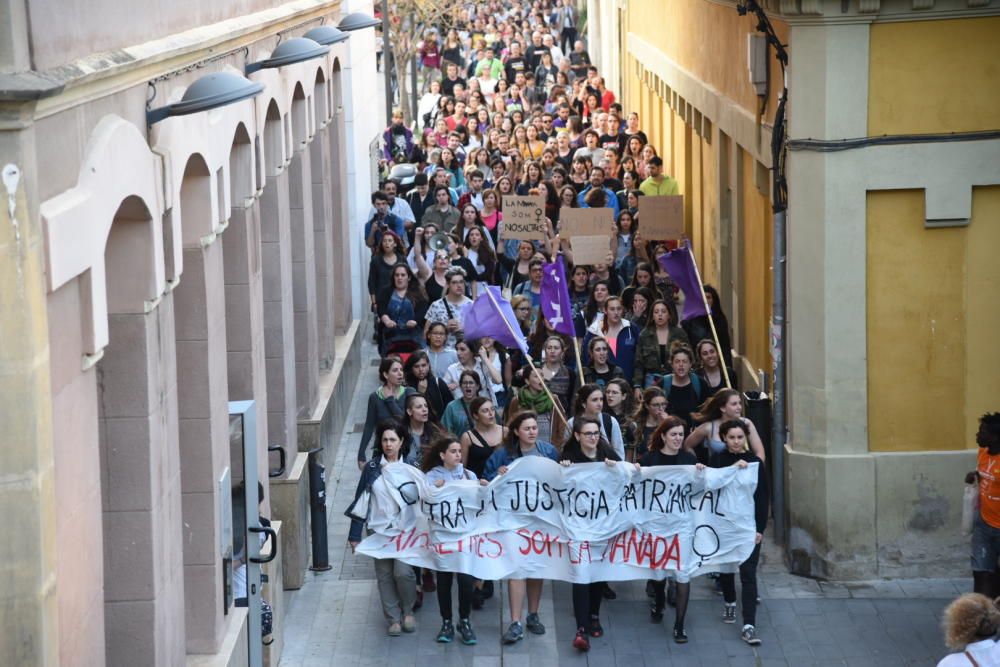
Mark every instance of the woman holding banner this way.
pixel 736 434
pixel 522 440
pixel 587 445
pixel 665 449
pixel 442 464
pixel 725 405
pixel 397 583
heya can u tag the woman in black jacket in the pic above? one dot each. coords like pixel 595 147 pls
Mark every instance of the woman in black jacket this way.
pixel 417 370
pixel 587 446
pixel 735 434
pixel 666 449
pixel 387 403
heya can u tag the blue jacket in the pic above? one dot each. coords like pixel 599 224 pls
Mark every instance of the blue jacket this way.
pixel 624 358
pixel 393 222
pixel 612 199
pixel 501 457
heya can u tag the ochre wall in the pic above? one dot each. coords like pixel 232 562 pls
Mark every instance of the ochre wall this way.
pixel 932 353
pixel 934 76
pixel 709 41
pixel 755 283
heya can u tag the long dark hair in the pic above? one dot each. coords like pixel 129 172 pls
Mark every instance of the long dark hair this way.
pixel 583 393
pixel 590 310
pixel 438 446
pixel 628 403
pixel 414 290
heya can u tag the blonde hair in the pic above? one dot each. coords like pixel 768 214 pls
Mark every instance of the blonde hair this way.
pixel 970 617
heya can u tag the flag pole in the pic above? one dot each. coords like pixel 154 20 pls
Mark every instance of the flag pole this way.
pixel 555 402
pixel 711 322
pixel 579 362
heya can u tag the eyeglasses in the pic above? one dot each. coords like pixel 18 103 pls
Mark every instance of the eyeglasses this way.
pixel 590 434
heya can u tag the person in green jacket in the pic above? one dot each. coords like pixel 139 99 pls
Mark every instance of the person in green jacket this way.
pixel 652 354
pixel 456 419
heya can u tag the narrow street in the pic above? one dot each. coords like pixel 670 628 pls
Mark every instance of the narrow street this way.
pixel 335 619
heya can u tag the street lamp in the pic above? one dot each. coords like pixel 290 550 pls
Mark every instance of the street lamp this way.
pixel 293 51
pixel 357 21
pixel 209 92
pixel 327 35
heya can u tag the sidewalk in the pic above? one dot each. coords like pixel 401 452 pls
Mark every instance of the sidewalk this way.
pixel 336 619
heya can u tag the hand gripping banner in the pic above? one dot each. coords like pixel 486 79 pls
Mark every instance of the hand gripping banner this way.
pixel 583 523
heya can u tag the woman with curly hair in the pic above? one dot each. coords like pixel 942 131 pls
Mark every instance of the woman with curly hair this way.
pixel 970 625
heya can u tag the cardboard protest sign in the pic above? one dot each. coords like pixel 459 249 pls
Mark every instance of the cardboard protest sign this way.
pixel 591 249
pixel 586 222
pixel 524 218
pixel 661 218
pixel 582 524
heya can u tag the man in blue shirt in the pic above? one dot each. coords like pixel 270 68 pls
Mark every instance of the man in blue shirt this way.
pixel 382 221
pixel 597 181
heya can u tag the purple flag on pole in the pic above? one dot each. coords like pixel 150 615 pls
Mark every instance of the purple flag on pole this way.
pixel 679 264
pixel 491 315
pixel 557 309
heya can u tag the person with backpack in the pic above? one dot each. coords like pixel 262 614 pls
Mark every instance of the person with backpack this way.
pixel 685 391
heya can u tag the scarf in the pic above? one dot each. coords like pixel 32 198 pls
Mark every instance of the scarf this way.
pixel 537 402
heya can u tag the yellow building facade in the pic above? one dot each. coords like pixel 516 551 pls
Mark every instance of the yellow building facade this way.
pixel 892 308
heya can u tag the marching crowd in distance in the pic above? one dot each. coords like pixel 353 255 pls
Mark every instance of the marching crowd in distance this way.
pixel 513 106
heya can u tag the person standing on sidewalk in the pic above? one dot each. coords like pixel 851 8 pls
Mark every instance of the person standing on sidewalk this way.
pixel 443 464
pixel 986 526
pixel 736 434
pixel 397 583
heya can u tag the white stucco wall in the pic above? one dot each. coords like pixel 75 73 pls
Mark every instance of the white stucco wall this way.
pixel 363 108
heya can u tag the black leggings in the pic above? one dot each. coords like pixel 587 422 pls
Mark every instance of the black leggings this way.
pixel 587 602
pixel 748 584
pixel 465 584
pixel 683 595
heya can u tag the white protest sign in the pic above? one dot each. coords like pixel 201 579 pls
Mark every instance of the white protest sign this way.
pixel 524 218
pixel 584 523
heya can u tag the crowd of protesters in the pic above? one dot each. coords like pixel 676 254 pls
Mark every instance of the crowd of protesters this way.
pixel 512 105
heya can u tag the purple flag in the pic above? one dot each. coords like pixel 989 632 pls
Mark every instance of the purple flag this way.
pixel 556 306
pixel 679 264
pixel 491 315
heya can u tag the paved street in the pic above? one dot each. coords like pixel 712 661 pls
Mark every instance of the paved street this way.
pixel 335 619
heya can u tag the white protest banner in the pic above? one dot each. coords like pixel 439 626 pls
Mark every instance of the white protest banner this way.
pixel 524 218
pixel 583 523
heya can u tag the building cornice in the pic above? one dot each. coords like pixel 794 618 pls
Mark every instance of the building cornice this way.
pixel 101 74
pixel 805 12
